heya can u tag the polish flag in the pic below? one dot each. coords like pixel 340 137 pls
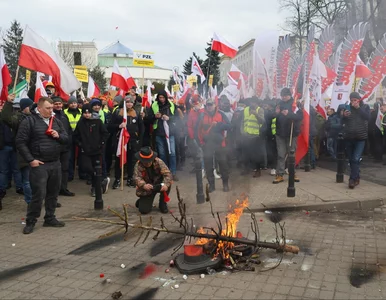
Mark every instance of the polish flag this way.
pixel 222 45
pixel 117 79
pixel 5 78
pixel 124 137
pixel 146 101
pixel 36 54
pixel 40 91
pixel 92 90
pixel 196 69
pixel 129 79
pixel 361 70
pixel 303 139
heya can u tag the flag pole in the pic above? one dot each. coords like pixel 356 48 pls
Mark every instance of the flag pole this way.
pixel 15 81
pixel 143 82
pixel 207 72
pixel 121 162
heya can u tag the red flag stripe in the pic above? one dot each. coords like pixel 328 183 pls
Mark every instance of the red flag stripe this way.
pixel 220 47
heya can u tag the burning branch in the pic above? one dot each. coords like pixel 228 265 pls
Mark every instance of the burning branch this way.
pixel 227 236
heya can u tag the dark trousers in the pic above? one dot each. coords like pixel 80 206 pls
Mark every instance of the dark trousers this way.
pixel 354 150
pixel 253 153
pixel 45 184
pixel 88 163
pixel 65 162
pixel 109 153
pixel 130 161
pixel 71 163
pixel 145 203
pixel 219 153
pixel 271 152
pixel 180 151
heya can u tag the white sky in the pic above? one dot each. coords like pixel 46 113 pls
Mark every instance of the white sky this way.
pixel 172 29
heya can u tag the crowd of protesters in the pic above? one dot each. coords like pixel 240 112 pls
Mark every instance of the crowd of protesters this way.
pixel 43 144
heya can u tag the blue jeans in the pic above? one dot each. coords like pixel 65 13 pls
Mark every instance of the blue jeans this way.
pixel 8 162
pixel 332 146
pixel 354 149
pixel 163 152
pixel 26 185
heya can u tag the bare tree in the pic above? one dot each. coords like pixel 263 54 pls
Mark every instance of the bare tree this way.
pixel 71 52
pixel 303 14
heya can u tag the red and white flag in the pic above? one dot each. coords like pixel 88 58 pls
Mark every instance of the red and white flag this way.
pixel 129 79
pixel 303 139
pixel 146 100
pixel 361 70
pixel 196 69
pixel 318 70
pixel 40 91
pixel 220 44
pixel 36 54
pixel 92 89
pixel 5 78
pixel 124 137
pixel 117 79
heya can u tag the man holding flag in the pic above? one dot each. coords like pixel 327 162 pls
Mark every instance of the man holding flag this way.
pixel 288 121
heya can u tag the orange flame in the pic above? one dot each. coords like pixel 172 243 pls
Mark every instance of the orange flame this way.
pixel 232 219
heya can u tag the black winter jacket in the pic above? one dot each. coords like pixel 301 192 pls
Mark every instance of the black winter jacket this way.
pixel 355 126
pixel 134 126
pixel 66 123
pixel 284 123
pixel 91 135
pixel 32 141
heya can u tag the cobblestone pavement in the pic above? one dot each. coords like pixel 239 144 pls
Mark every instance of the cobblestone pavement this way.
pixel 343 254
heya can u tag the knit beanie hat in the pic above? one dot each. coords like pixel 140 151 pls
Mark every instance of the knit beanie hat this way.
pixel 86 108
pixel 25 102
pixel 72 100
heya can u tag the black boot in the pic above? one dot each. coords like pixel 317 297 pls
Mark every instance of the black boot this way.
pixel 116 184
pixel 29 227
pixel 212 187
pixel 163 207
pixel 225 185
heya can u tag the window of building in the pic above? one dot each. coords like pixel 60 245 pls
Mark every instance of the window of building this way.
pixel 77 58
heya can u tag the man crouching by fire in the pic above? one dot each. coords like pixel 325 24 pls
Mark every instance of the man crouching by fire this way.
pixel 151 176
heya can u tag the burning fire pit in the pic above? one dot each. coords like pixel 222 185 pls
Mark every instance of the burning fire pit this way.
pixel 210 253
pixel 194 260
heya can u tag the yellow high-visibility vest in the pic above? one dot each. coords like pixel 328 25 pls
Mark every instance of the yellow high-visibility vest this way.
pixel 73 120
pixel 251 125
pixel 155 109
pixel 273 126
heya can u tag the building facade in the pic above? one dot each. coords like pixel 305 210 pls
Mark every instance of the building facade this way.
pixel 79 53
pixel 124 57
pixel 243 60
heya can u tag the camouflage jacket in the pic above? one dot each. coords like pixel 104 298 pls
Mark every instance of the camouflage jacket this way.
pixel 156 174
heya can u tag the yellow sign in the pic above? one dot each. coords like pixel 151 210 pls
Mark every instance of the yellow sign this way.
pixel 80 67
pixel 81 75
pixel 28 76
pixel 210 80
pixel 176 88
pixel 143 59
pixel 191 79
